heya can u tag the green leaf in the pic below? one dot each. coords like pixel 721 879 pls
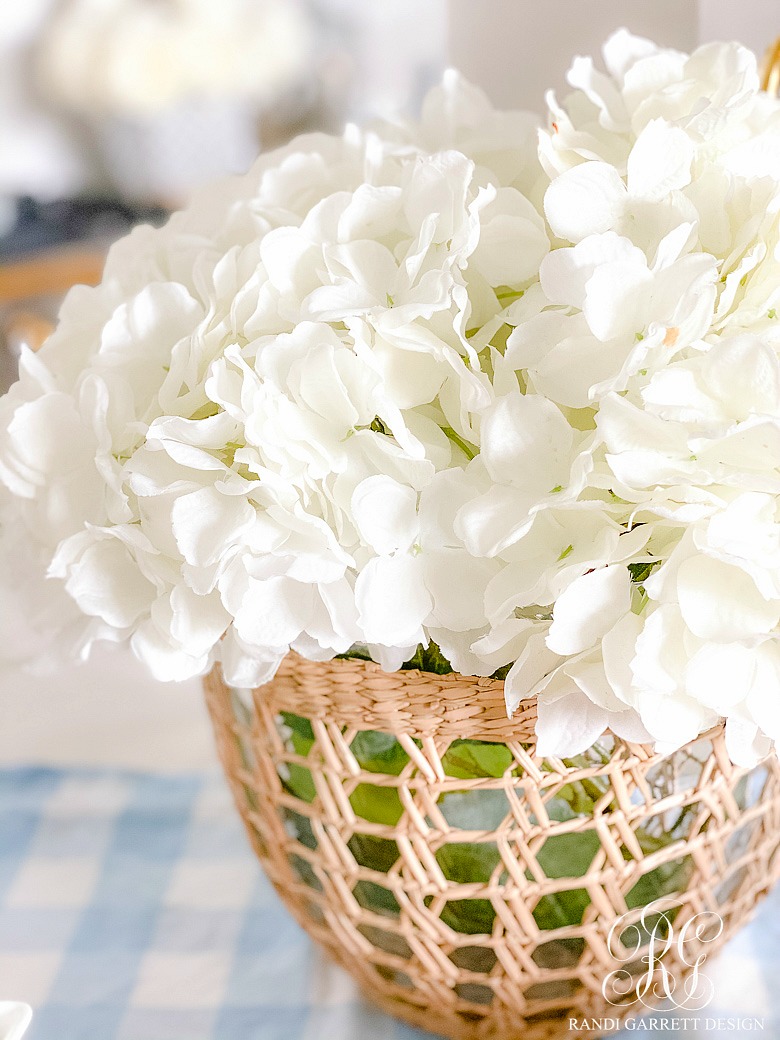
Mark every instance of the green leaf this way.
pixel 375 897
pixel 471 759
pixel 668 879
pixel 355 653
pixel 562 909
pixel 377 804
pixel 372 852
pixel 302 735
pixel 568 855
pixel 300 783
pixel 480 810
pixel 379 752
pixel 469 916
pixel 641 571
pixel 580 796
pixel 305 872
pixel 468 861
pixel 429 659
pixel 301 828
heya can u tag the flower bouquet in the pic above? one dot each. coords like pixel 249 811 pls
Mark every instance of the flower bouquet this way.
pixel 451 452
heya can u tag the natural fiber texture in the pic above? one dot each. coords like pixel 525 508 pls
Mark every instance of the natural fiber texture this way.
pixel 407 931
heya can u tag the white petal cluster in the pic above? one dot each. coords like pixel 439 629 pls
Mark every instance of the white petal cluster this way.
pixel 508 389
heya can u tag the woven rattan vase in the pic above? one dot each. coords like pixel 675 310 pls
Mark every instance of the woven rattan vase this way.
pixel 467 884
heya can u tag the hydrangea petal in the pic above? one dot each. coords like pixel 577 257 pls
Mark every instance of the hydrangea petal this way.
pixel 205 522
pixel 106 582
pixel 720 675
pixel 660 161
pixel 675 721
pixel 527 442
pixel 385 513
pixel 533 665
pixel 512 241
pixel 586 200
pixel 274 611
pixel 628 726
pixel 392 600
pixel 617 300
pixel 457 581
pixel 588 609
pixel 721 603
pixel 568 725
pixel 745 743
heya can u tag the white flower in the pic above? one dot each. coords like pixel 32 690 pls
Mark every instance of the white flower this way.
pixel 451 382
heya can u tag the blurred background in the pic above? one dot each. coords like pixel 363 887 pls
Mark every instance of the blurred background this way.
pixel 114 111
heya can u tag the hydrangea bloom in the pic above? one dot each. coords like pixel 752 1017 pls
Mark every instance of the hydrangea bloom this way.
pixel 509 389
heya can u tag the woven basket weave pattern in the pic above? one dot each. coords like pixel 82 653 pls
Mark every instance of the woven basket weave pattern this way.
pixel 410 931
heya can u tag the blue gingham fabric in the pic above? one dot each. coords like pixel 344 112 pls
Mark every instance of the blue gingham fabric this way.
pixel 131 908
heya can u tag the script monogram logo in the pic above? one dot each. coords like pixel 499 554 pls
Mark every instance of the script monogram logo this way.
pixel 654 935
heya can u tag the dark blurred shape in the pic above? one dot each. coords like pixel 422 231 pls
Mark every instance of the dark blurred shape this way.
pixel 48 247
pixel 43 225
pixel 19 329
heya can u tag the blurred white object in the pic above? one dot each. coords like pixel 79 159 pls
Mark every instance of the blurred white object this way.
pixel 135 58
pixel 174 90
pixel 168 154
pixel 20 23
pixel 397 51
pixel 37 156
pixel 14 1019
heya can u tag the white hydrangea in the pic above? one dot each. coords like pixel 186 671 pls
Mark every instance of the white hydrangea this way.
pixel 514 391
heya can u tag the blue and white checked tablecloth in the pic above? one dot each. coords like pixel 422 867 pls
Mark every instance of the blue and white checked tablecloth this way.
pixel 131 908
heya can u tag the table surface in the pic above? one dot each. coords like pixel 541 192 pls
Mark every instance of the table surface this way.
pixel 107 712
pixel 131 908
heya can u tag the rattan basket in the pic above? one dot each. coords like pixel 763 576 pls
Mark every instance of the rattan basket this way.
pixel 485 957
